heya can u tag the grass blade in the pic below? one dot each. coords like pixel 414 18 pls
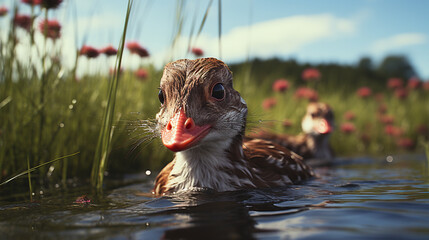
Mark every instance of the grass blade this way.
pixel 29 179
pixel 204 18
pixel 5 102
pixel 104 140
pixel 200 29
pixel 178 26
pixel 191 33
pixel 35 168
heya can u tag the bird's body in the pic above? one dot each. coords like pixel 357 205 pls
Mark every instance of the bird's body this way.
pixel 202 119
pixel 317 126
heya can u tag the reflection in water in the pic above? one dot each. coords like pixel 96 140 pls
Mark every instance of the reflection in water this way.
pixel 361 199
pixel 230 215
pixel 212 220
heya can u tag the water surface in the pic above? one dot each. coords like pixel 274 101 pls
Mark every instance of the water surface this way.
pixel 360 198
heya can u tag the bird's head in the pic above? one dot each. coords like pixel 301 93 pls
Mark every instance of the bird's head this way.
pixel 199 105
pixel 318 119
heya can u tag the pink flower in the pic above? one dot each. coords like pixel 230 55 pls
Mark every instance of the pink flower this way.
pixel 386 119
pixel 401 93
pixel 306 93
pixel 135 48
pixel 3 11
pixel 405 143
pixel 280 85
pixel 51 3
pixel 197 51
pixel 89 51
pixel 413 83
pixel 50 28
pixel 310 74
pixel 31 2
pixel 393 130
pixel 364 92
pixel 141 73
pixel 23 21
pixel 394 83
pixel 269 103
pixel 349 115
pixel 109 51
pixel 347 127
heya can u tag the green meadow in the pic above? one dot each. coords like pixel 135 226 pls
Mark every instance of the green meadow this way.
pixel 46 112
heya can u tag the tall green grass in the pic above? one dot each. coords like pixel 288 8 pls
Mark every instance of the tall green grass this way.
pixel 46 113
pixel 106 132
pixel 369 138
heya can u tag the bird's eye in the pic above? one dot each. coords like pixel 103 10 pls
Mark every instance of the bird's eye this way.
pixel 218 91
pixel 161 96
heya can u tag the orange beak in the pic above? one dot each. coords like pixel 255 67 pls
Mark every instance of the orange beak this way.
pixel 181 132
pixel 323 127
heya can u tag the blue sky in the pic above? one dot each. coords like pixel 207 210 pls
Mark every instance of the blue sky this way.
pixel 313 31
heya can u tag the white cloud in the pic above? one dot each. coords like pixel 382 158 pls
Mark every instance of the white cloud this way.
pixel 398 41
pixel 264 39
pixel 275 37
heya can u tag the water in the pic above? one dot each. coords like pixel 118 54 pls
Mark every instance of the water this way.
pixel 359 198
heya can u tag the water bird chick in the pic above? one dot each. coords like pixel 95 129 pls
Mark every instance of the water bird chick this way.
pixel 317 125
pixel 202 118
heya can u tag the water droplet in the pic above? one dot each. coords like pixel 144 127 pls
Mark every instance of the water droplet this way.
pixel 148 172
pixel 71 106
pixel 41 192
pixel 389 159
pixel 50 170
pixel 57 185
pixel 61 125
pixel 74 101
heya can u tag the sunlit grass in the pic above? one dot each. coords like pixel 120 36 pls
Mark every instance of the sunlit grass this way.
pixel 106 132
pixel 29 170
pixel 46 112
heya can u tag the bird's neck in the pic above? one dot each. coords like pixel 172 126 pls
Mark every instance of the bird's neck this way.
pixel 319 145
pixel 207 166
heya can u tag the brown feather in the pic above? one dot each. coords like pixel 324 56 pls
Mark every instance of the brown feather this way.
pixel 307 145
pixel 284 162
pixel 162 179
pixel 231 162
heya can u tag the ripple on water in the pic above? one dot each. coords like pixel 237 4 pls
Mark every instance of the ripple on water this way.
pixel 364 200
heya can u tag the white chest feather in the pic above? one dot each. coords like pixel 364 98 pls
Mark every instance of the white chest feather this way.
pixel 203 167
